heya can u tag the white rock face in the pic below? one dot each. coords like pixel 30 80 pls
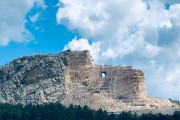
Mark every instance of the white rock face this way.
pixel 71 78
pixel 34 79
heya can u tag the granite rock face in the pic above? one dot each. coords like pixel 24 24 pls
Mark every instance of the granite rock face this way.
pixel 33 79
pixel 71 78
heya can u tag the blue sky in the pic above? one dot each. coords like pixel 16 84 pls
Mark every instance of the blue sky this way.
pixel 142 33
pixel 49 38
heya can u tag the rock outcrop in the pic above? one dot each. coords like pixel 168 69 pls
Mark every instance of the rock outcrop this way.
pixel 35 79
pixel 71 78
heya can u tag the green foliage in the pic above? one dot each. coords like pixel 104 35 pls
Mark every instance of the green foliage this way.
pixel 127 116
pixel 55 111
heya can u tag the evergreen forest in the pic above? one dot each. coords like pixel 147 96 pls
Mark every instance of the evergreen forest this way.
pixel 56 111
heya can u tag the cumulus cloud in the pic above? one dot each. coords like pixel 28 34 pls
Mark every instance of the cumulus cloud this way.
pixel 83 44
pixel 112 24
pixel 13 20
pixel 143 32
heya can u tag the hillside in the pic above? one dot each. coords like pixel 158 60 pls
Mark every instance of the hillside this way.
pixel 71 78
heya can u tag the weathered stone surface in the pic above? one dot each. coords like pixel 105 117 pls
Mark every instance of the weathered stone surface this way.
pixel 35 79
pixel 71 78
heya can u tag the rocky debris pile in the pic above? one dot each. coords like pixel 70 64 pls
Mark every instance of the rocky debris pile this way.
pixel 80 95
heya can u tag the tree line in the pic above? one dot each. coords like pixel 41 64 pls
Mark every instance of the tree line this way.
pixel 56 111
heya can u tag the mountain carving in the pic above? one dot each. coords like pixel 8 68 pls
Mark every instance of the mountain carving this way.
pixel 71 78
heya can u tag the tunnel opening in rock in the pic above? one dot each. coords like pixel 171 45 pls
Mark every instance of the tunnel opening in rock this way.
pixel 103 74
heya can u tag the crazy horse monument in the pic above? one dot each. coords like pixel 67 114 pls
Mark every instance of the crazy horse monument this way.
pixel 70 77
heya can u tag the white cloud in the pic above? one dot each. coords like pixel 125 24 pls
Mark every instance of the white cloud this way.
pixel 164 80
pixel 140 31
pixel 170 1
pixel 35 17
pixel 173 76
pixel 13 20
pixel 83 44
pixel 150 50
pixel 116 27
pixel 40 4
